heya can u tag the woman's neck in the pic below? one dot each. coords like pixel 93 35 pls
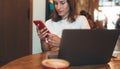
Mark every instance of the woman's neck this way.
pixel 65 16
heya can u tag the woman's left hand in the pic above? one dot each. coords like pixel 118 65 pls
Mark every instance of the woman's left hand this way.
pixel 54 40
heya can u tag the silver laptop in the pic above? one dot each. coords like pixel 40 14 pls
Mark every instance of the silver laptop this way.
pixel 85 47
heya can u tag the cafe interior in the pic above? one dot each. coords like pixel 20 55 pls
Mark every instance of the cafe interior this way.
pixel 19 36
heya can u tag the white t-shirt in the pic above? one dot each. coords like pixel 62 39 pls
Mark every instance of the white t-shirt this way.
pixel 57 27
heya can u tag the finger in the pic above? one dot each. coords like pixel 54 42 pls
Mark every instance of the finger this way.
pixel 53 48
pixel 43 35
pixel 44 29
pixel 50 36
pixel 37 27
pixel 53 43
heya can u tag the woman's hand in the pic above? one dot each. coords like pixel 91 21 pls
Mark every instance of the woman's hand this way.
pixel 42 33
pixel 51 42
pixel 54 41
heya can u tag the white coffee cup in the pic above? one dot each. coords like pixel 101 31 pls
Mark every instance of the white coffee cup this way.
pixel 55 64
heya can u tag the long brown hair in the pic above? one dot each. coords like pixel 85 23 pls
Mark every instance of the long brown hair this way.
pixel 72 12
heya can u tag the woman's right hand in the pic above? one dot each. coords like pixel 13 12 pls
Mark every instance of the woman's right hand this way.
pixel 42 33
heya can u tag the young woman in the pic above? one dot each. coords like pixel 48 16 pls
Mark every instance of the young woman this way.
pixel 64 16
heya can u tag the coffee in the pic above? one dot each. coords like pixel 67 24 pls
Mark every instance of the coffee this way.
pixel 55 64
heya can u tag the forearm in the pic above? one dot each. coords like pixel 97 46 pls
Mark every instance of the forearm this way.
pixel 44 46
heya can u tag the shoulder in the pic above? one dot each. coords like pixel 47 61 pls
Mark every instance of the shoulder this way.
pixel 79 17
pixel 49 21
pixel 82 20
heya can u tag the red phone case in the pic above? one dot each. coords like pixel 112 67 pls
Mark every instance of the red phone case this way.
pixel 41 24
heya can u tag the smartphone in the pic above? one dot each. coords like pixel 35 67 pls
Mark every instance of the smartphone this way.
pixel 41 24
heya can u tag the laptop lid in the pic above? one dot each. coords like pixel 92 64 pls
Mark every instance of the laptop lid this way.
pixel 83 47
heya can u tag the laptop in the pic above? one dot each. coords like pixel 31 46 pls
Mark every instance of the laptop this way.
pixel 86 47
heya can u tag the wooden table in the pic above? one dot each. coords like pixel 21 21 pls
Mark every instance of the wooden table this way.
pixel 34 62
